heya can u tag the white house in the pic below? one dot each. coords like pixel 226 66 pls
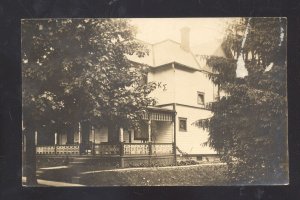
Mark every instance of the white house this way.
pixel 183 74
pixel 183 97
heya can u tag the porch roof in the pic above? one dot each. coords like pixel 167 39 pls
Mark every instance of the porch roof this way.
pixel 159 114
pixel 158 109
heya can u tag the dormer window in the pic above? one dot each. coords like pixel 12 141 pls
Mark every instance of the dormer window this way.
pixel 200 98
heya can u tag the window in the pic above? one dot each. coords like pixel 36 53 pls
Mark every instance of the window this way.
pixel 200 98
pixel 182 124
pixel 199 158
pixel 141 133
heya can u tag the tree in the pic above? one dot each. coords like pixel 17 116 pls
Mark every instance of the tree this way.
pixel 76 70
pixel 249 126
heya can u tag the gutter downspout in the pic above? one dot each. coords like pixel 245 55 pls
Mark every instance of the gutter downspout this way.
pixel 174 108
pixel 175 145
pixel 174 82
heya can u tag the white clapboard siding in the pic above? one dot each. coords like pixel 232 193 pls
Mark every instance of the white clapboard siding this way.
pixel 126 136
pixel 192 140
pixel 164 132
pixel 76 137
pixel 101 135
pixel 63 139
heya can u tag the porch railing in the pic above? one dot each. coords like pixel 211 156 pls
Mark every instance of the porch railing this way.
pixel 162 148
pixel 109 149
pixel 136 149
pixel 45 150
pixel 58 149
pixel 67 149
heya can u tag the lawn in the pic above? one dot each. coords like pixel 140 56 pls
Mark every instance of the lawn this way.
pixel 205 174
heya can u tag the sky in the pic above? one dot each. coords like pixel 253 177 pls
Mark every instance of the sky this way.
pixel 204 33
pixel 202 30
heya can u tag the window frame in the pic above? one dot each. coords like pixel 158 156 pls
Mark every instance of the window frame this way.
pixel 180 129
pixel 203 94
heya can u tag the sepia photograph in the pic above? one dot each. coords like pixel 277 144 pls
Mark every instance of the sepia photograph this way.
pixel 154 102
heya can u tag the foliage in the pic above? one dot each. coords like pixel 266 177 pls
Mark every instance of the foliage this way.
pixel 249 126
pixel 77 69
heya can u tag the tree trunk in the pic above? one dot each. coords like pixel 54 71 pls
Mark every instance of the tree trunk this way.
pixel 85 130
pixel 113 133
pixel 70 134
pixel 30 157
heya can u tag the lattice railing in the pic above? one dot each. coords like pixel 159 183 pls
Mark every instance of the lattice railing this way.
pixel 67 149
pixel 45 150
pixel 159 149
pixel 58 149
pixel 136 149
pixel 107 149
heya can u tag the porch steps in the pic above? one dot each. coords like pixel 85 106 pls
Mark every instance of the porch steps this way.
pixel 84 157
pixel 59 173
pixel 79 164
pixel 86 163
pixel 39 172
pixel 79 161
pixel 76 162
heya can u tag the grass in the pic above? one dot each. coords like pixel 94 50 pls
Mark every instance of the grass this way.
pixel 212 174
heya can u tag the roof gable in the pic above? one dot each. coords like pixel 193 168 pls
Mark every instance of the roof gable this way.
pixel 169 51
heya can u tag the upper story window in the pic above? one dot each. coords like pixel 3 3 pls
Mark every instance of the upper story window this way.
pixel 182 124
pixel 200 98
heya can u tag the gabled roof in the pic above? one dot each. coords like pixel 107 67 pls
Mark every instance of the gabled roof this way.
pixel 169 51
pixel 208 49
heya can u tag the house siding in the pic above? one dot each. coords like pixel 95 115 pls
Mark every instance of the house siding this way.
pixel 191 141
pixel 163 132
pixel 165 78
pixel 101 135
pixel 186 83
pixel 189 83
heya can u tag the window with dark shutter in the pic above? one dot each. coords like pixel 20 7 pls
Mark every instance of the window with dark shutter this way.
pixel 200 98
pixel 182 124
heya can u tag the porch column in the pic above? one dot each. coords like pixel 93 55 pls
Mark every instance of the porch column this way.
pixel 79 133
pixel 35 138
pixel 149 139
pixel 93 135
pixel 55 142
pixel 149 130
pixel 121 135
pixel 55 138
pixel 24 143
pixel 131 136
pixel 79 138
pixel 121 139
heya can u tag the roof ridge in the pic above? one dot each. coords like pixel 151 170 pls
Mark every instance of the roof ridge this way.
pixel 143 41
pixel 195 59
pixel 166 41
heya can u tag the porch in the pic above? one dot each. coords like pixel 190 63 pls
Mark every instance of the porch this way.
pixel 107 149
pixel 153 145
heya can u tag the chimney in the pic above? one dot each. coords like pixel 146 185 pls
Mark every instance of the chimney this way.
pixel 185 38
